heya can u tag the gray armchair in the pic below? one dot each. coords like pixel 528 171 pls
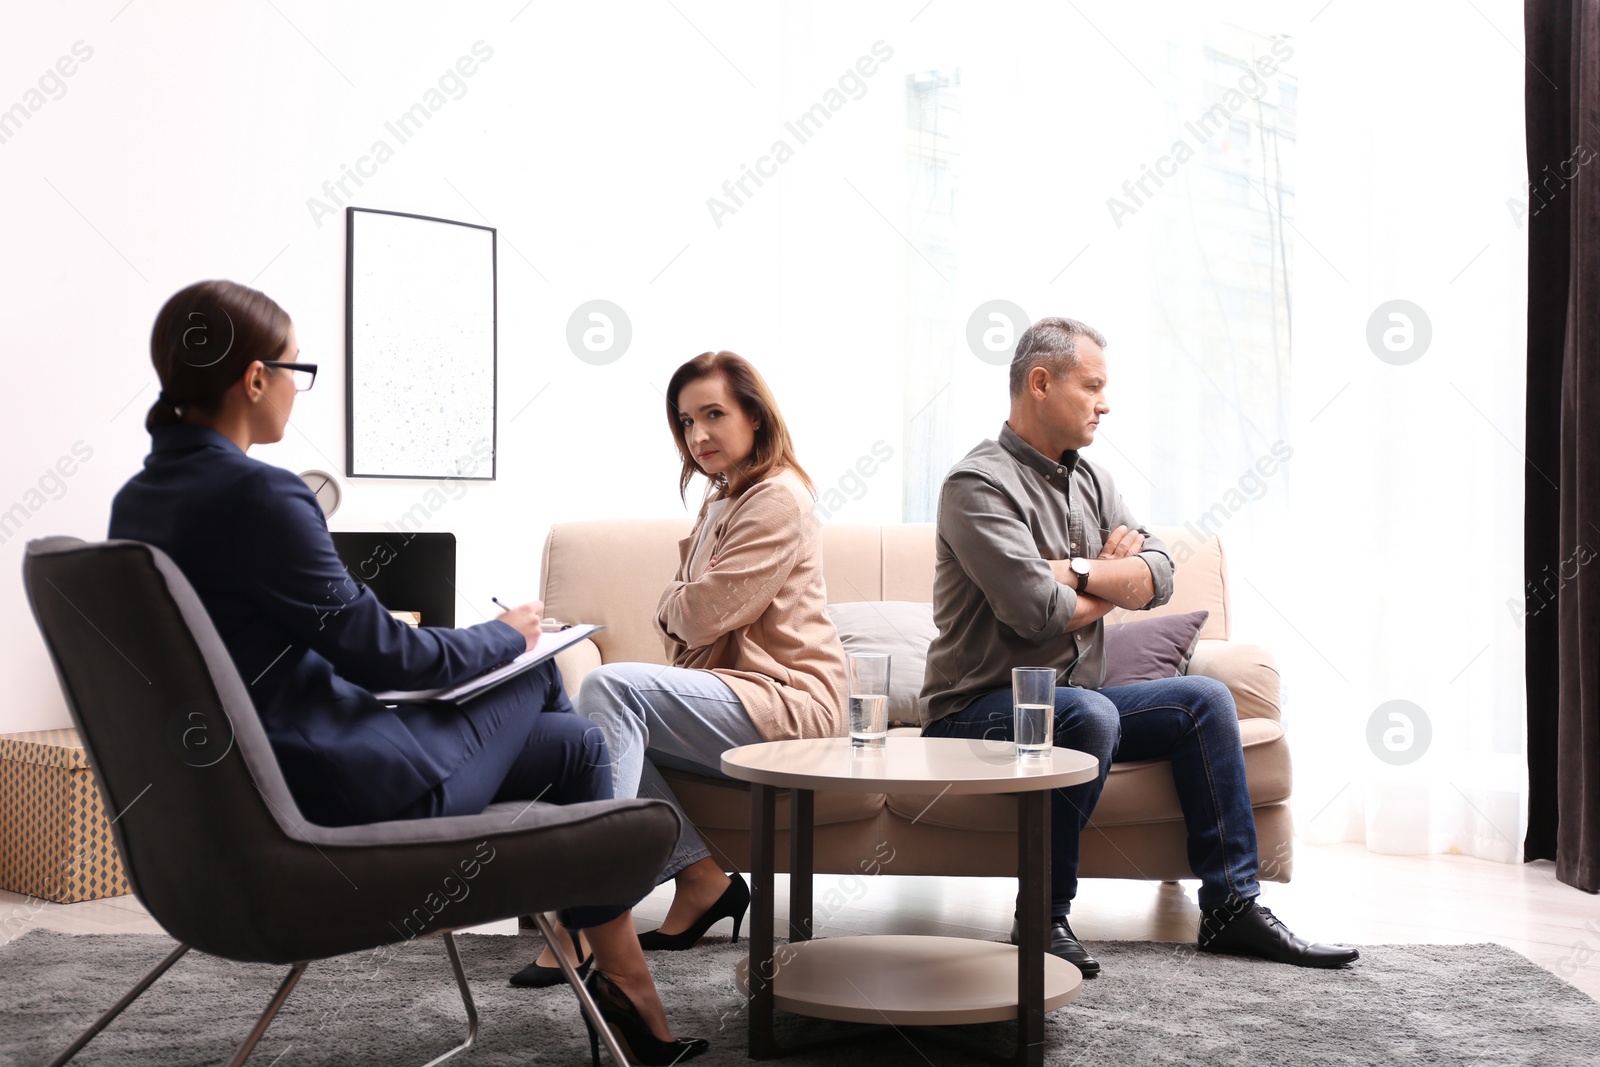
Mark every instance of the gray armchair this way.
pixel 212 841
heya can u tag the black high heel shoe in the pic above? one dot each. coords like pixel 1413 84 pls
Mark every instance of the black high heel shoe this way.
pixel 630 1030
pixel 536 976
pixel 733 903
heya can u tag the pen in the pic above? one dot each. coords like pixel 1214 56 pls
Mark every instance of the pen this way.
pixel 548 626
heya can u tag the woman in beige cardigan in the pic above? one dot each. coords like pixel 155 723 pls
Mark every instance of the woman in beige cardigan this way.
pixel 754 655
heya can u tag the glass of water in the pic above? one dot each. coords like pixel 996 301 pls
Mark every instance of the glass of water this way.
pixel 1033 704
pixel 869 700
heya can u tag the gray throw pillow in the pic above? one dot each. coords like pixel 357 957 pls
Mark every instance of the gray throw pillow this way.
pixel 1149 649
pixel 901 628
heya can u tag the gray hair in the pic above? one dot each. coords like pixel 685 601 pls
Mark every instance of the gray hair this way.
pixel 1052 344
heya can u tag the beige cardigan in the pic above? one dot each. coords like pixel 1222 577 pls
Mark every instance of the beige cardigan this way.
pixel 757 619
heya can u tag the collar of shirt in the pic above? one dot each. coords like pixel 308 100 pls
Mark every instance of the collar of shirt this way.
pixel 184 436
pixel 1057 472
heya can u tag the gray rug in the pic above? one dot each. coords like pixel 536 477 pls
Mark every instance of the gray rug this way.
pixel 1155 1004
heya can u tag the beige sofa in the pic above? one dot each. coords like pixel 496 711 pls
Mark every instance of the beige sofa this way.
pixel 613 573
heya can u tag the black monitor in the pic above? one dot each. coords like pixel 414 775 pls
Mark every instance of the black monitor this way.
pixel 405 571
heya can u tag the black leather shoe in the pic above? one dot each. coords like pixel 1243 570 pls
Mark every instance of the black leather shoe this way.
pixel 1063 943
pixel 1245 928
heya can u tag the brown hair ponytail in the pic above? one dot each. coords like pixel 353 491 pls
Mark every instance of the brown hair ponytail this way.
pixel 204 338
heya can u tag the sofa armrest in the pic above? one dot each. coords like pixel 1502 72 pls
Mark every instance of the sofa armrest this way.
pixel 1249 671
pixel 575 661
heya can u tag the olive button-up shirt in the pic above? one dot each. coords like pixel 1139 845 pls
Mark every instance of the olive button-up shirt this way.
pixel 1005 511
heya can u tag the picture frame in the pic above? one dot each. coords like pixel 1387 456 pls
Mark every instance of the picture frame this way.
pixel 421 347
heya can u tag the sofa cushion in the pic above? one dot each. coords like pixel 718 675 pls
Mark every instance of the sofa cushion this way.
pixel 1249 672
pixel 612 572
pixel 902 630
pixel 1135 792
pixel 575 662
pixel 1200 581
pixel 852 562
pixel 1151 649
pixel 908 559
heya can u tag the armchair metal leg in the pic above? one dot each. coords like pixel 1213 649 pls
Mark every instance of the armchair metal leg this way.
pixel 116 1009
pixel 298 969
pixel 585 1002
pixel 466 999
pixel 265 1020
pixel 287 987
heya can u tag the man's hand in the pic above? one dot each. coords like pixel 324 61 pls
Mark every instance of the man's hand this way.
pixel 1090 609
pixel 1122 543
pixel 1118 576
pixel 525 620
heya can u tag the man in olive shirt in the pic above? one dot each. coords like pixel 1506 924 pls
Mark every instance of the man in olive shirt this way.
pixel 1034 547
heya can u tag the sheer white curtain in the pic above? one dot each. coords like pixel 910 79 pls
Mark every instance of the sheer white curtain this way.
pixel 1407 518
pixel 1232 193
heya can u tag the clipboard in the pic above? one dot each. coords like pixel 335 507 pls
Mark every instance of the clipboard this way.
pixel 549 644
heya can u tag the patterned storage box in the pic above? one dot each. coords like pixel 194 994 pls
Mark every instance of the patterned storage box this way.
pixel 55 836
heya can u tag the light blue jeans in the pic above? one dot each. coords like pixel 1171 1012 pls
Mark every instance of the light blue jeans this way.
pixel 669 715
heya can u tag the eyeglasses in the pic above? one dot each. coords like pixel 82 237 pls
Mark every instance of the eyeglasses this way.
pixel 308 370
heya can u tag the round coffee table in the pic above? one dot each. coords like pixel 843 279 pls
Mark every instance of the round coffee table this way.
pixel 901 980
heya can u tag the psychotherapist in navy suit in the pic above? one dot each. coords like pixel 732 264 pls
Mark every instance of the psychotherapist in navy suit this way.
pixel 311 644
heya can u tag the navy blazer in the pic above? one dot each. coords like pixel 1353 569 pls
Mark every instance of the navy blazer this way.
pixel 308 641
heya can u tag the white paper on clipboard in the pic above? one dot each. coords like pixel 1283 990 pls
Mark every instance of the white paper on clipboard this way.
pixel 549 644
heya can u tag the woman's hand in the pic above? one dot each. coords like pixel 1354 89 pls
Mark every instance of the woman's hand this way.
pixel 525 620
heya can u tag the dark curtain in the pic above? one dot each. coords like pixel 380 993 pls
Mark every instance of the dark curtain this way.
pixel 1562 508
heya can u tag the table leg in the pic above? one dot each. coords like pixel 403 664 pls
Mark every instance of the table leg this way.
pixel 802 811
pixel 1033 907
pixel 762 966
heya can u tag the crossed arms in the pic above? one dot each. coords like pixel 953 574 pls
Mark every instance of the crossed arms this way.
pixel 990 531
pixel 1118 578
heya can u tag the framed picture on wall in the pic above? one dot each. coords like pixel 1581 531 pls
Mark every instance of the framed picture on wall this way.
pixel 420 346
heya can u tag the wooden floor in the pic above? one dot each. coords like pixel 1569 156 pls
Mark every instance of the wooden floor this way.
pixel 1341 893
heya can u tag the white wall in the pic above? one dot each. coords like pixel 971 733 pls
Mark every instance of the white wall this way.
pixel 189 141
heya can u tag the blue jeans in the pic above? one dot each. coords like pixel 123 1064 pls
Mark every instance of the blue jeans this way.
pixel 1191 721
pixel 676 717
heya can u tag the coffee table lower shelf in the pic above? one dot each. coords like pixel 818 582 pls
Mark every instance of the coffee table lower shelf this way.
pixel 908 980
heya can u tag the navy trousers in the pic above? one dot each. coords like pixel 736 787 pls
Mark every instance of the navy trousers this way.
pixel 530 745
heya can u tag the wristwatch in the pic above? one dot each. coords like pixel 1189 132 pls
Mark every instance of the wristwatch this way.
pixel 1080 567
